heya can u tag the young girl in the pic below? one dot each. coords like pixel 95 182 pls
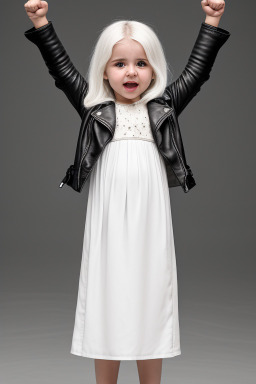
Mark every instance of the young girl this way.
pixel 131 147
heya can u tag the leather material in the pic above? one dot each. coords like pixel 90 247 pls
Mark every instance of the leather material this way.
pixel 98 122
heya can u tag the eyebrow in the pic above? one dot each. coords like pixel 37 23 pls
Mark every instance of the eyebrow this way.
pixel 125 59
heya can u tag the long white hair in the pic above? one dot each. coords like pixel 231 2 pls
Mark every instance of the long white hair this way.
pixel 99 89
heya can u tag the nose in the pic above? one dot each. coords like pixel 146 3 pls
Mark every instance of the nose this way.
pixel 131 70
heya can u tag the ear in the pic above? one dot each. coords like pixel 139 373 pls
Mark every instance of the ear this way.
pixel 105 76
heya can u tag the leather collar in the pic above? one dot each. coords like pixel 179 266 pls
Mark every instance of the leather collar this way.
pixel 158 111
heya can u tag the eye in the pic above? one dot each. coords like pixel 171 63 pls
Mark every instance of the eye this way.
pixel 116 65
pixel 141 61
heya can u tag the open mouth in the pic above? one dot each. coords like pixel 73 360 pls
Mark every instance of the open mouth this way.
pixel 131 85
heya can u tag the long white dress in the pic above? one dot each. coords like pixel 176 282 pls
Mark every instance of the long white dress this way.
pixel 127 304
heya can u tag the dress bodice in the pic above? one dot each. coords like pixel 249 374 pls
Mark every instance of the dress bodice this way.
pixel 132 122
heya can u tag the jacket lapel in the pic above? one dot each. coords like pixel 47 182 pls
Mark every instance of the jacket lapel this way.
pixel 106 114
pixel 157 113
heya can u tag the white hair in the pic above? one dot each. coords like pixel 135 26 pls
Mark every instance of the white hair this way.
pixel 99 89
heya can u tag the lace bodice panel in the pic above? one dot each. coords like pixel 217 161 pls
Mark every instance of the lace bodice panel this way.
pixel 132 122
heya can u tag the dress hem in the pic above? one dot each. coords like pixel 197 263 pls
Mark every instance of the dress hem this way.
pixel 139 357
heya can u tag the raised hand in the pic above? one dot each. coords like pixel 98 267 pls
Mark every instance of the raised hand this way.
pixel 213 8
pixel 36 11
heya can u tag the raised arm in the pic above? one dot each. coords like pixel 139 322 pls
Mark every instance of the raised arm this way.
pixel 197 71
pixel 66 76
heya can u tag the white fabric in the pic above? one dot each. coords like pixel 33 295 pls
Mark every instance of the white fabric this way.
pixel 132 121
pixel 127 305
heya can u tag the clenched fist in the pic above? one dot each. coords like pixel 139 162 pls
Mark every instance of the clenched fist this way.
pixel 36 10
pixel 213 8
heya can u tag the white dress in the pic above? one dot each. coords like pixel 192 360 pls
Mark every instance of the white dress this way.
pixel 127 304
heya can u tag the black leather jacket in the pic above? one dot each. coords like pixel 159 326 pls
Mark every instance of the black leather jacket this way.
pixel 98 122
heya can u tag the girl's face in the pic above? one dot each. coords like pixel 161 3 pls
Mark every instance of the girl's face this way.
pixel 128 63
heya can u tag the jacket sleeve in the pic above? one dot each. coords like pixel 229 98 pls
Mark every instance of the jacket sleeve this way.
pixel 66 76
pixel 197 71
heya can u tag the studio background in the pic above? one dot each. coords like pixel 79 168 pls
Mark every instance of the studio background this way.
pixel 43 225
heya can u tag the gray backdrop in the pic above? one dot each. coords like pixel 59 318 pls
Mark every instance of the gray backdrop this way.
pixel 43 225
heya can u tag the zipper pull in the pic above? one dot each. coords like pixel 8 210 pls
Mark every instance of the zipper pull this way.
pixel 63 182
pixel 67 176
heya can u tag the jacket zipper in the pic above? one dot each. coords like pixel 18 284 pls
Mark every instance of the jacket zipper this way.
pixel 157 127
pixel 178 153
pixel 67 177
pixel 83 156
pixel 95 163
pixel 176 149
pixel 181 161
pixel 78 179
